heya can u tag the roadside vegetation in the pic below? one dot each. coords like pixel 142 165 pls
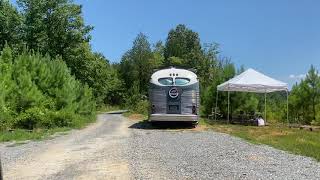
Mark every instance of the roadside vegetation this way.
pixel 39 92
pixel 294 140
pixel 109 108
pixel 136 116
pixel 39 96
pixel 21 135
pixel 50 79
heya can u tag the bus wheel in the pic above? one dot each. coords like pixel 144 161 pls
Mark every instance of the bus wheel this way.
pixel 194 124
pixel 1 173
pixel 153 123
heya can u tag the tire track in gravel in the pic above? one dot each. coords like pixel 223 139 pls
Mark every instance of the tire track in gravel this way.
pixel 95 152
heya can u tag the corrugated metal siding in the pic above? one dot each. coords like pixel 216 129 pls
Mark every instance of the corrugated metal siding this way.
pixel 159 100
pixel 198 102
pixel 188 98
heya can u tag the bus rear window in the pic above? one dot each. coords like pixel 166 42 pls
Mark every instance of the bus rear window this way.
pixel 182 81
pixel 166 81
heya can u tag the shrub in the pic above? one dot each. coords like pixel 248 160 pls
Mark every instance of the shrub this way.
pixel 40 92
pixel 141 107
pixel 135 101
pixel 30 119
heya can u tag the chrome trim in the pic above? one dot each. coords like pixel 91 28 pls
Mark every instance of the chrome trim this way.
pixel 173 117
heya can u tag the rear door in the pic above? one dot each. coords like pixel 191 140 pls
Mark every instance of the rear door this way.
pixel 174 101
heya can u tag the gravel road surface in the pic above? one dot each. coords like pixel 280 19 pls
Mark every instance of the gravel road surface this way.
pixel 118 148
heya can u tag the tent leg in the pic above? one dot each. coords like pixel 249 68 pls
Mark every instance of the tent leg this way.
pixel 228 106
pixel 265 106
pixel 215 109
pixel 288 108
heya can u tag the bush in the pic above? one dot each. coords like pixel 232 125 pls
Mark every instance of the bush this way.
pixel 30 119
pixel 141 107
pixel 136 102
pixel 316 122
pixel 39 92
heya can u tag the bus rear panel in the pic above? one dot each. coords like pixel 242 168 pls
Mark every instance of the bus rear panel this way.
pixel 174 96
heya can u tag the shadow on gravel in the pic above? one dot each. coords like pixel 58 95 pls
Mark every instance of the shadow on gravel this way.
pixel 117 112
pixel 162 125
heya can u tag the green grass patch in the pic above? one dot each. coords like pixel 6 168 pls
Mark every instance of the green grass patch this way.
pixel 294 140
pixel 22 135
pixel 17 135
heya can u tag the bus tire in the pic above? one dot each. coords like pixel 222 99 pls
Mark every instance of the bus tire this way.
pixel 1 173
pixel 153 123
pixel 194 124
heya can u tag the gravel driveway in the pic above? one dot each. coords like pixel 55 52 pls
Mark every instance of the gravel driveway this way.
pixel 117 148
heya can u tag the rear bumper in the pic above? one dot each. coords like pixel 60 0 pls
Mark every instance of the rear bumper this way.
pixel 173 117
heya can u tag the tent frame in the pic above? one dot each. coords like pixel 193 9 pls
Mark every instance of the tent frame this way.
pixel 252 81
pixel 265 106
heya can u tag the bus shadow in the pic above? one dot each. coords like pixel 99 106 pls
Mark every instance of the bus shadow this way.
pixel 162 125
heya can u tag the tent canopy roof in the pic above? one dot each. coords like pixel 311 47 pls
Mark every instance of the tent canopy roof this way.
pixel 253 81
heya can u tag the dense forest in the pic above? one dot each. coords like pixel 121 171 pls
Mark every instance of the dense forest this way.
pixel 50 76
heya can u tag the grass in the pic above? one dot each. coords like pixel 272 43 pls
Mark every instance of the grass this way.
pixel 108 108
pixel 302 142
pixel 22 135
pixel 135 116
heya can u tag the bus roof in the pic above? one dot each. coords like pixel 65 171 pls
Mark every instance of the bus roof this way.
pixel 173 73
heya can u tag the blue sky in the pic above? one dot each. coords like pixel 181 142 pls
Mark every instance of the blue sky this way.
pixel 280 38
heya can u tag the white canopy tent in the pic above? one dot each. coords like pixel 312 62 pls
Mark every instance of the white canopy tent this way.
pixel 252 81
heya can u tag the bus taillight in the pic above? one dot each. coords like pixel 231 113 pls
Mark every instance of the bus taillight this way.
pixel 153 109
pixel 194 110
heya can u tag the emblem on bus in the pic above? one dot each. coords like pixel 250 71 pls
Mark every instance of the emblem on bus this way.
pixel 173 92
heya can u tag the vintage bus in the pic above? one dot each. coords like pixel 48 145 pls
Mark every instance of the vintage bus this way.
pixel 174 96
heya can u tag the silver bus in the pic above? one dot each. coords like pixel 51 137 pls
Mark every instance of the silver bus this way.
pixel 174 96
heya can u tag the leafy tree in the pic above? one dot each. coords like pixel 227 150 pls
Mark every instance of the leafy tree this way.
pixel 297 104
pixel 221 71
pixel 184 44
pixel 94 69
pixel 313 81
pixel 7 86
pixel 57 28
pixel 39 92
pixel 10 25
pixel 304 99
pixel 209 66
pixel 158 55
pixel 276 106
pixel 53 27
pixel 137 64
pixel 175 61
